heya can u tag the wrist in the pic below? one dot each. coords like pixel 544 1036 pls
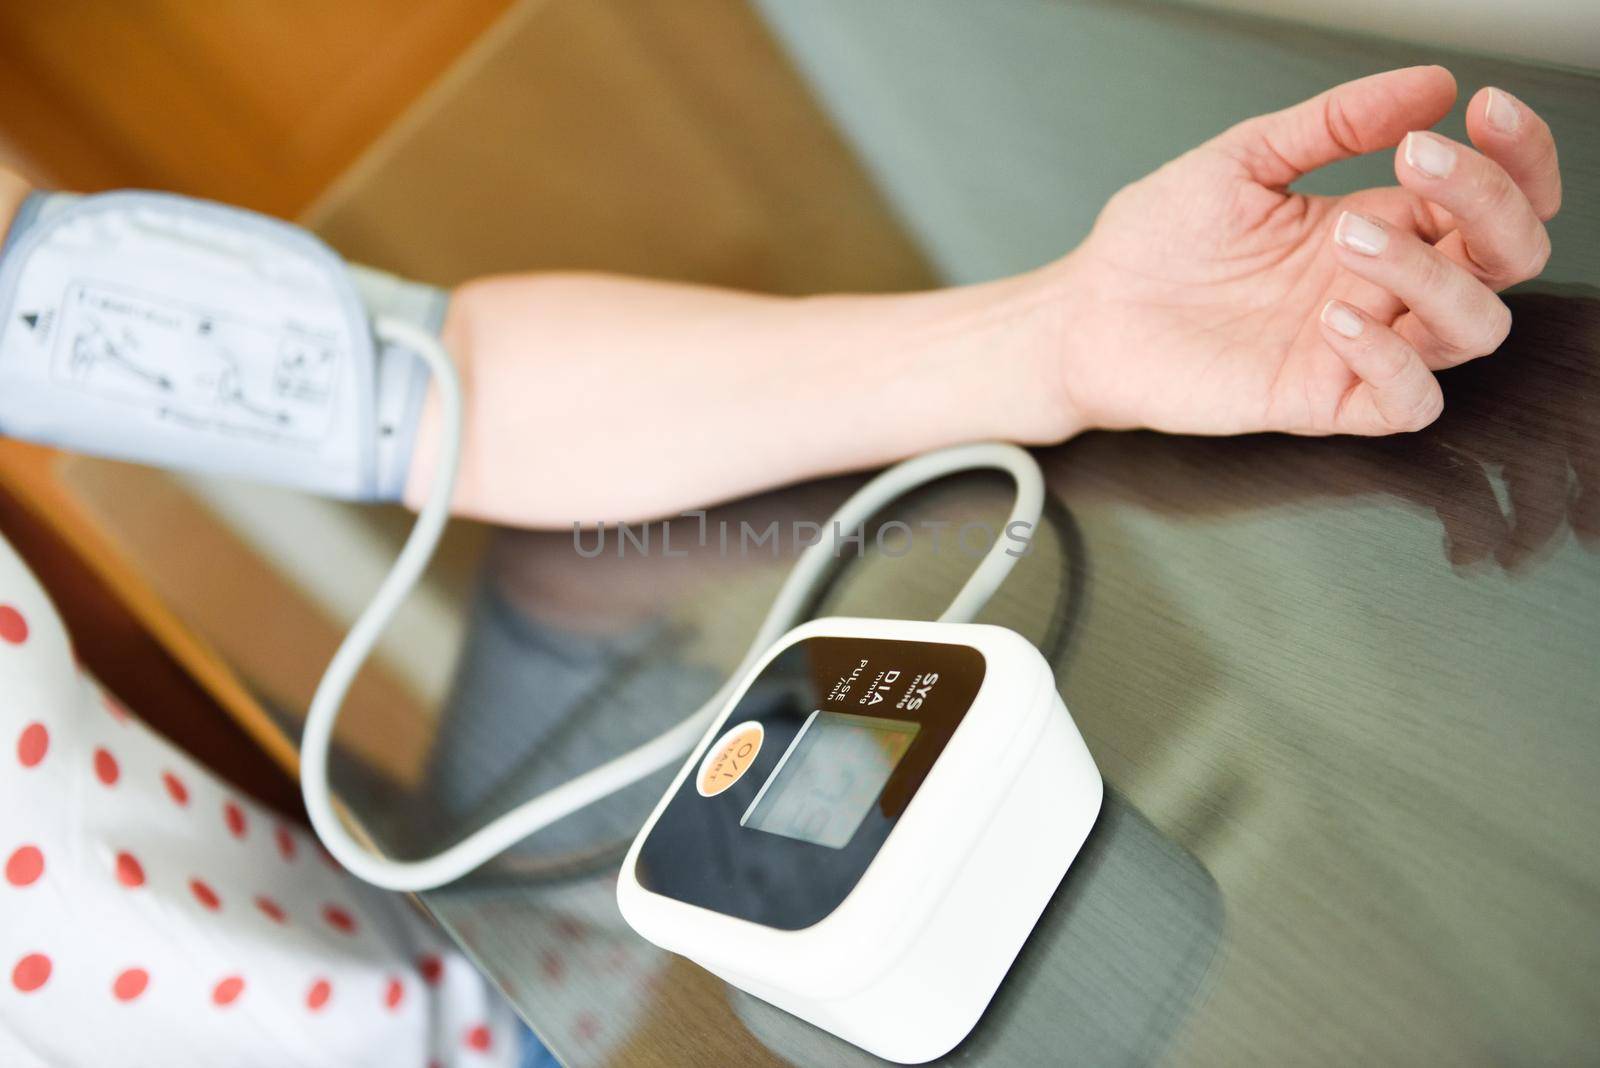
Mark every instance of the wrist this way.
pixel 1070 358
pixel 1035 328
pixel 937 368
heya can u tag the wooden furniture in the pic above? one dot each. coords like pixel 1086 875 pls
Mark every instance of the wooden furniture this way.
pixel 257 105
pixel 670 140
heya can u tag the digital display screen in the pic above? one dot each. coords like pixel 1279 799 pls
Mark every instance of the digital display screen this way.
pixel 827 781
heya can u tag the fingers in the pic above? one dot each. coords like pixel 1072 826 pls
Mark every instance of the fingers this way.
pixel 1508 132
pixel 1396 391
pixel 1454 316
pixel 1498 235
pixel 1348 120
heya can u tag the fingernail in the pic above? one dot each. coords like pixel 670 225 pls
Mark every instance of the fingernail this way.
pixel 1430 155
pixel 1341 318
pixel 1360 234
pixel 1501 111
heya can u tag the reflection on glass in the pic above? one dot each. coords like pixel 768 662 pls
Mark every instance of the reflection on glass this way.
pixel 1124 950
pixel 826 783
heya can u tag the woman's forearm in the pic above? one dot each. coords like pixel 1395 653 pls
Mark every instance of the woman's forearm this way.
pixel 592 397
pixel 598 398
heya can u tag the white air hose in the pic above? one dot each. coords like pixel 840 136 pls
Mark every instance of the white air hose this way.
pixel 536 813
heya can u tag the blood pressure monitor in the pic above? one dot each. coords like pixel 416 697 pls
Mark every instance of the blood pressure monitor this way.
pixel 871 828
pixel 877 812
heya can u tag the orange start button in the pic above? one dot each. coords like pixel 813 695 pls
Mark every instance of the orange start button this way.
pixel 730 758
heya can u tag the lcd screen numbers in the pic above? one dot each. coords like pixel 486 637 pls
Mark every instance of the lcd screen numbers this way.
pixel 827 781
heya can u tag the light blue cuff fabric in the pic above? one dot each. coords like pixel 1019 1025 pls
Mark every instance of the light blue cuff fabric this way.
pixel 384 410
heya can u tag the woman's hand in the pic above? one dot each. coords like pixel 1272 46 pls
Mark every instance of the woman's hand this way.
pixel 1208 299
pixel 1211 299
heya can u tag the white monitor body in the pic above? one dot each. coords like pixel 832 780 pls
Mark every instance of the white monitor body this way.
pixel 862 847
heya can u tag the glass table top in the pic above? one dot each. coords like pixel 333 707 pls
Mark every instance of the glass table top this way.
pixel 1345 695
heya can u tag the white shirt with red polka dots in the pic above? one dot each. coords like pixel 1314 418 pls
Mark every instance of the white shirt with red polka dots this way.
pixel 151 916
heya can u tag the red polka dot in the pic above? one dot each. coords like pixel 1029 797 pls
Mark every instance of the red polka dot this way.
pixel 394 994
pixel 272 910
pixel 175 788
pixel 105 767
pixel 25 866
pixel 587 1026
pixel 32 744
pixel 233 816
pixel 31 972
pixel 478 1038
pixel 339 919
pixel 285 842
pixel 227 991
pixel 431 968
pixel 130 984
pixel 204 894
pixel 130 872
pixel 13 628
pixel 118 713
pixel 318 995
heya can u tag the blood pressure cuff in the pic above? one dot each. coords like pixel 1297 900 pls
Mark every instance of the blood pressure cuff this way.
pixel 187 334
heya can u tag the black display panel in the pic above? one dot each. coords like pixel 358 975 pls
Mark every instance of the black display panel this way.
pixel 825 785
pixel 908 696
